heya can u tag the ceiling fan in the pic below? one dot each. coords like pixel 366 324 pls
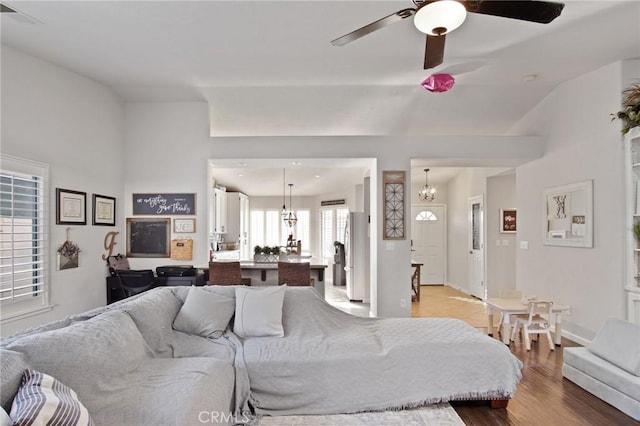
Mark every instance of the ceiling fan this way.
pixel 436 18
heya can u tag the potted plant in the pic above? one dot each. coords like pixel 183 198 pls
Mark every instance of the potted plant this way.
pixel 265 254
pixel 636 232
pixel 630 113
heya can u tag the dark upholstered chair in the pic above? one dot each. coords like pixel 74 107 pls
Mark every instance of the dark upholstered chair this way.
pixel 135 281
pixel 226 273
pixel 294 274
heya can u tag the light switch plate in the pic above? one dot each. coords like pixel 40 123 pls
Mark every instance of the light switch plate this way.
pixel 524 245
pixel 390 246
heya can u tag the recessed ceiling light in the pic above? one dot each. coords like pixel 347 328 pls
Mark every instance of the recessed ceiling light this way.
pixel 243 164
pixel 296 163
pixel 529 78
pixel 240 175
pixel 317 176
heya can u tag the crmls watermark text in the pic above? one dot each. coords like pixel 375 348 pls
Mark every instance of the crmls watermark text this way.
pixel 217 417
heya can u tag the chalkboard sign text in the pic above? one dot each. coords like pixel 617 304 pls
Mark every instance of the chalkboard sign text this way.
pixel 164 204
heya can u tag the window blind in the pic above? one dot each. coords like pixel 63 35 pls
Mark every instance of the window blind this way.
pixel 23 230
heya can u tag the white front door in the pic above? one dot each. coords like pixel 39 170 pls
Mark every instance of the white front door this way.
pixel 476 247
pixel 428 229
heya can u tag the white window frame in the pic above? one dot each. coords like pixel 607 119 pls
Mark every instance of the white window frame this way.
pixel 11 309
pixel 336 235
pixel 257 236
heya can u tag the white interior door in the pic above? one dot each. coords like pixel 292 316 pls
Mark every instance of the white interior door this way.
pixel 476 247
pixel 428 230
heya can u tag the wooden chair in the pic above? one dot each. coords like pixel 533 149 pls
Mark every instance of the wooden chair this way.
pixel 294 274
pixel 537 321
pixel 226 273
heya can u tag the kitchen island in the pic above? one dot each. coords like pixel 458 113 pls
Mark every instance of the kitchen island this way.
pixel 263 274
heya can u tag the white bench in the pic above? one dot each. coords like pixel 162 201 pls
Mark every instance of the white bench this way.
pixel 609 367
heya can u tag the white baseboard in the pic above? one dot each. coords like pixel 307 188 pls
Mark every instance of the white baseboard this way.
pixel 574 337
pixel 460 289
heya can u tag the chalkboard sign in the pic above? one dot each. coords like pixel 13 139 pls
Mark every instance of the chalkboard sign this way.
pixel 164 204
pixel 148 237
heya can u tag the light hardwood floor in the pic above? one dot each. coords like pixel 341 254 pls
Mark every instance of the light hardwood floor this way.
pixel 543 397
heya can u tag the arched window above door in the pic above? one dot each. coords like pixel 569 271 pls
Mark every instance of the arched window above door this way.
pixel 426 215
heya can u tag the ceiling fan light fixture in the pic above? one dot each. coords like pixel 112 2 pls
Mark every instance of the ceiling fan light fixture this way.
pixel 440 17
pixel 438 83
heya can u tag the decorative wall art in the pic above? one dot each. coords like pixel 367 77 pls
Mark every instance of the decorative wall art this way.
pixel 68 254
pixel 394 213
pixel 148 237
pixel 508 221
pixel 568 215
pixel 184 225
pixel 164 204
pixel 71 207
pixel 104 210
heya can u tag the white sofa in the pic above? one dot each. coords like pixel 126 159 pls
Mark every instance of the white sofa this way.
pixel 609 367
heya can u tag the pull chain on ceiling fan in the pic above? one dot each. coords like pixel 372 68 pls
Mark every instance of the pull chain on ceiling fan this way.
pixel 436 18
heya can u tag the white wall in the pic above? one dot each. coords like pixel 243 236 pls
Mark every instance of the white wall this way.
pixel 501 248
pixel 582 144
pixel 75 125
pixel 470 182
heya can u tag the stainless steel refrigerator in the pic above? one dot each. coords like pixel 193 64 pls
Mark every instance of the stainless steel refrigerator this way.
pixel 355 239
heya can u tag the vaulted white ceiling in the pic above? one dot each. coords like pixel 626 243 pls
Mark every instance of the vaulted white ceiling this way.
pixel 267 68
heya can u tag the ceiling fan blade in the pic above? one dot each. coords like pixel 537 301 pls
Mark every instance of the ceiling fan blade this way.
pixel 367 29
pixel 541 12
pixel 434 51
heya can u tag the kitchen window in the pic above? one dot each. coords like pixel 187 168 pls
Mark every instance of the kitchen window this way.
pixel 332 225
pixel 23 237
pixel 268 228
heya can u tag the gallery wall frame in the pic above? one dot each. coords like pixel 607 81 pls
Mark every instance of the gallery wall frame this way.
pixel 394 215
pixel 184 225
pixel 508 221
pixel 104 210
pixel 71 207
pixel 568 215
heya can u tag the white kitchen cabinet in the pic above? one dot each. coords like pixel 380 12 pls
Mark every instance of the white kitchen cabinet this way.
pixel 238 222
pixel 219 211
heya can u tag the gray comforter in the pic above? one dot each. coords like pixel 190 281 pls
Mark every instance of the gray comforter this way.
pixel 330 362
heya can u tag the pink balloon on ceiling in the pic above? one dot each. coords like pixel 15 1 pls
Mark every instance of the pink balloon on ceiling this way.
pixel 438 83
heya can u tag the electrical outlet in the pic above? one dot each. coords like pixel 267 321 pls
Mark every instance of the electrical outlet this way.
pixel 403 303
pixel 524 245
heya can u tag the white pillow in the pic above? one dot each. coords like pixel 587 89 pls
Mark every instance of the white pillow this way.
pixel 43 400
pixel 259 311
pixel 204 313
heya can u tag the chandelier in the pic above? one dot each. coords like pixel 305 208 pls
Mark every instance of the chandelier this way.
pixel 428 192
pixel 290 217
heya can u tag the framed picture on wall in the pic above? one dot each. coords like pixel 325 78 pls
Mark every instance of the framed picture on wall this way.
pixel 104 210
pixel 508 221
pixel 184 225
pixel 71 207
pixel 393 186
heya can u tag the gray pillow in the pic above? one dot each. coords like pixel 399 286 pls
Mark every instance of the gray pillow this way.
pixel 618 341
pixel 12 367
pixel 204 313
